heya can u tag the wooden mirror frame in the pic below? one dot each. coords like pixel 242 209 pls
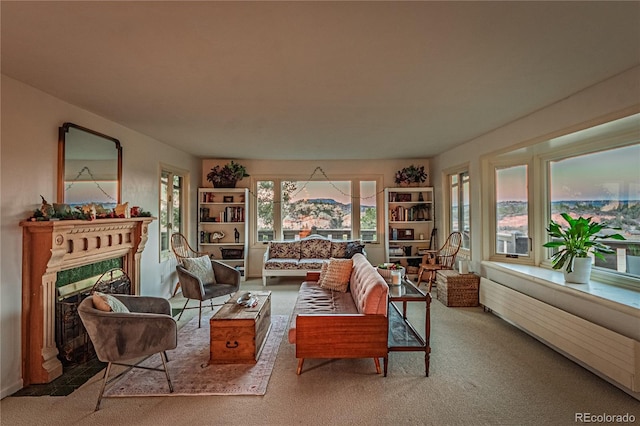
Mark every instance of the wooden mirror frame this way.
pixel 62 133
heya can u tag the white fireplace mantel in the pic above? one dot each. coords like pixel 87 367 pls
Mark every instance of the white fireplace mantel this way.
pixel 49 247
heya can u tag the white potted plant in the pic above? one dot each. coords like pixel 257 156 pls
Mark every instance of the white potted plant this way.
pixel 575 243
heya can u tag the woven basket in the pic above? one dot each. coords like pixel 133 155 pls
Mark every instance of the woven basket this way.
pixel 233 253
pixel 459 290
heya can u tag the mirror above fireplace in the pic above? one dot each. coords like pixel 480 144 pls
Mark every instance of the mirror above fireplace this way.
pixel 89 167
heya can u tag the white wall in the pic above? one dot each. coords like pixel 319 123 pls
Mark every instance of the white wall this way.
pixel 605 101
pixel 29 136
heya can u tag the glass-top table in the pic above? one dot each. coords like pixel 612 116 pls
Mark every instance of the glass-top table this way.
pixel 403 337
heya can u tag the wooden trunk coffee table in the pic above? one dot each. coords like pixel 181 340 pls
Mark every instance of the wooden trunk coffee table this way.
pixel 238 333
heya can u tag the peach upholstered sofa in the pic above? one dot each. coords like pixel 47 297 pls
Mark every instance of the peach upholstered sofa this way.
pixel 326 323
pixel 296 258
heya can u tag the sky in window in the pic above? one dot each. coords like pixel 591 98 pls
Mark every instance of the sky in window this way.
pixel 607 175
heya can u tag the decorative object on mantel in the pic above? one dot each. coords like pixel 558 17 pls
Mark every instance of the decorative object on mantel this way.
pixel 574 245
pixel 227 176
pixel 411 176
pixel 61 211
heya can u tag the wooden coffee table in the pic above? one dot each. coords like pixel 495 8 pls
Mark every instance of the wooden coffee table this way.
pixel 238 333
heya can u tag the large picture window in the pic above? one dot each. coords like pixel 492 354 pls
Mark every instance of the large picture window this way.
pixel 592 173
pixel 605 186
pixel 292 209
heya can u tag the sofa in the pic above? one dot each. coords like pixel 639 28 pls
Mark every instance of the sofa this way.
pixel 296 258
pixel 327 323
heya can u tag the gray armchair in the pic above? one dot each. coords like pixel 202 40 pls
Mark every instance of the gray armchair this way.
pixel 227 281
pixel 117 337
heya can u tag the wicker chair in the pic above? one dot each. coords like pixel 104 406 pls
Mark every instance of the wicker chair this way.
pixel 181 249
pixel 440 259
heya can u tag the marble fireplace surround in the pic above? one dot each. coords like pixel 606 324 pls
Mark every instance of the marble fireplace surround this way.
pixel 54 246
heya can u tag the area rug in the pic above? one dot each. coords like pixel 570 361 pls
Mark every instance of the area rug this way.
pixel 191 373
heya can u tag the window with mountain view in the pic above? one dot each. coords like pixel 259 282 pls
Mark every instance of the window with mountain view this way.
pixel 316 207
pixel 606 187
pixel 291 209
pixel 512 211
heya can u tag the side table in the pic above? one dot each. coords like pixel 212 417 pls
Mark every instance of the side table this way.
pixel 403 337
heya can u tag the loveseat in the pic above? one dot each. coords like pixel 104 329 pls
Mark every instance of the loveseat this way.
pixel 296 258
pixel 328 323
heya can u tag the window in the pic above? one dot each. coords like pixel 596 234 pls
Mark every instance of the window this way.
pixel 368 211
pixel 459 197
pixel 340 209
pixel 316 208
pixel 265 206
pixel 171 208
pixel 592 172
pixel 512 211
pixel 587 185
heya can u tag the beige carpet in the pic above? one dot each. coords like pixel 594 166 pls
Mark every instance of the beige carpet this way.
pixel 191 373
pixel 483 372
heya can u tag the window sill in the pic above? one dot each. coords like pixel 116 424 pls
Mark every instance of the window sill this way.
pixel 614 307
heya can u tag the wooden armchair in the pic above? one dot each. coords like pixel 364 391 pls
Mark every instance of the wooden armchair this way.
pixel 181 249
pixel 440 259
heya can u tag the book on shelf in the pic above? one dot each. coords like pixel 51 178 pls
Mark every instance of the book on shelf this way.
pixel 232 214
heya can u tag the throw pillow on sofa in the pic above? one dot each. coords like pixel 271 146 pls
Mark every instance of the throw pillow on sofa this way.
pixel 337 275
pixel 200 267
pixel 353 247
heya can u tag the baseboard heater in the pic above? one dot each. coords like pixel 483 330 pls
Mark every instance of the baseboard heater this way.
pixel 610 355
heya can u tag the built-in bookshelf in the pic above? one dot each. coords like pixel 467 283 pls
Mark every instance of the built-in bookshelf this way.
pixel 409 218
pixel 223 229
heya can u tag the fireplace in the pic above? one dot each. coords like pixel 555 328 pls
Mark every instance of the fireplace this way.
pixel 72 287
pixel 54 246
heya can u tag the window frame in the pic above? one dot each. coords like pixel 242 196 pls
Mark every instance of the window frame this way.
pixel 184 205
pixel 458 171
pixel 355 194
pixel 491 226
pixel 592 137
pixel 593 145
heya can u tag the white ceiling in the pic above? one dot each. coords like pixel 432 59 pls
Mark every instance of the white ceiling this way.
pixel 316 80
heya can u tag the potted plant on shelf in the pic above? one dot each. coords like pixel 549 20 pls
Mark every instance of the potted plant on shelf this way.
pixel 575 243
pixel 411 175
pixel 227 176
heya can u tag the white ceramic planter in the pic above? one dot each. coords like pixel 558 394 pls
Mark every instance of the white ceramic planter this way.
pixel 581 271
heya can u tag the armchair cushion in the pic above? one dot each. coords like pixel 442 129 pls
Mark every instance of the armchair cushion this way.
pixel 201 267
pixel 108 303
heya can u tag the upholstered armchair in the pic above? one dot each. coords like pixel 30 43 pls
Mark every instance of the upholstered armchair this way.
pixel 204 279
pixel 146 329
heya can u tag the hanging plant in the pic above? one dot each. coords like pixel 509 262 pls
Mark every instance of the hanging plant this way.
pixel 227 176
pixel 411 175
